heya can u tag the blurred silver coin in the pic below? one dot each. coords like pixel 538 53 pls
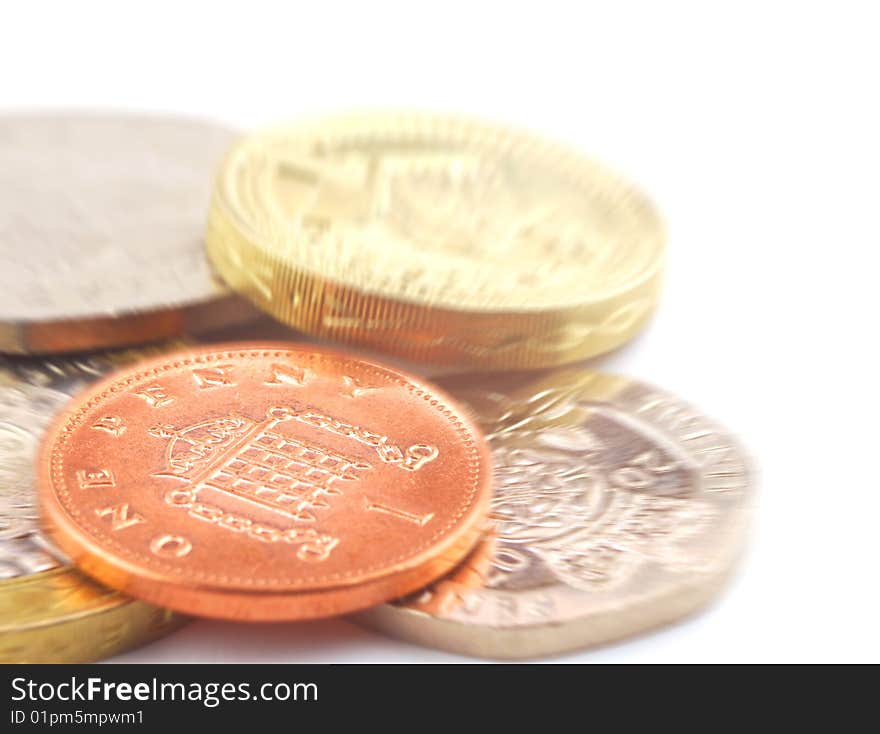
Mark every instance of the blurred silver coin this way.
pixel 49 611
pixel 32 390
pixel 617 508
pixel 101 231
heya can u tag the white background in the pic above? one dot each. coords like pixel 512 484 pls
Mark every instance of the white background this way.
pixel 755 127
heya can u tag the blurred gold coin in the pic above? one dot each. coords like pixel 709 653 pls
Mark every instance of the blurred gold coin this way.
pixel 617 508
pixel 436 239
pixel 49 611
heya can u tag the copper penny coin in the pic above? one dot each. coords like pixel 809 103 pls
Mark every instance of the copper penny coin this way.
pixel 264 482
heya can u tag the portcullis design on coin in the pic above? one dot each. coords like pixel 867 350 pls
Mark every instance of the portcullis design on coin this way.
pixel 264 481
pixel 617 508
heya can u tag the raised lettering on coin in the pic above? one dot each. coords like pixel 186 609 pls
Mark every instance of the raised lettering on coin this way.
pixel 354 388
pixel 155 395
pixel 112 424
pixel 420 520
pixel 283 374
pixel 121 517
pixel 170 546
pixel 95 478
pixel 318 484
pixel 218 376
pixel 51 612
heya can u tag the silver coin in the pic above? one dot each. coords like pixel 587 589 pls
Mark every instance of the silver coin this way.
pixel 617 508
pixel 49 611
pixel 101 231
pixel 32 390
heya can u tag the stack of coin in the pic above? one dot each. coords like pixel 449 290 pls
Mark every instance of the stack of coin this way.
pixel 101 221
pixel 101 235
pixel 50 612
pixel 494 513
pixel 264 482
pixel 617 506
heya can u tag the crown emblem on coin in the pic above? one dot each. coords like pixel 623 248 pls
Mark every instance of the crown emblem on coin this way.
pixel 193 447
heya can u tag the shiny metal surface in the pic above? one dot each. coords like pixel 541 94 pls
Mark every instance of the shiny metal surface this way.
pixel 49 611
pixel 617 508
pixel 264 481
pixel 101 231
pixel 436 238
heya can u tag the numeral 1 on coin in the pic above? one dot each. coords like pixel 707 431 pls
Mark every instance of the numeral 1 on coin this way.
pixel 420 520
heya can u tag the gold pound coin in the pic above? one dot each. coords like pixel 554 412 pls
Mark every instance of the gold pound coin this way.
pixel 102 231
pixel 50 612
pixel 437 239
pixel 617 508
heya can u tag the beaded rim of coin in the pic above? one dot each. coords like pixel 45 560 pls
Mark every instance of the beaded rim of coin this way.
pixel 101 231
pixel 437 238
pixel 221 481
pixel 617 508
pixel 49 611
